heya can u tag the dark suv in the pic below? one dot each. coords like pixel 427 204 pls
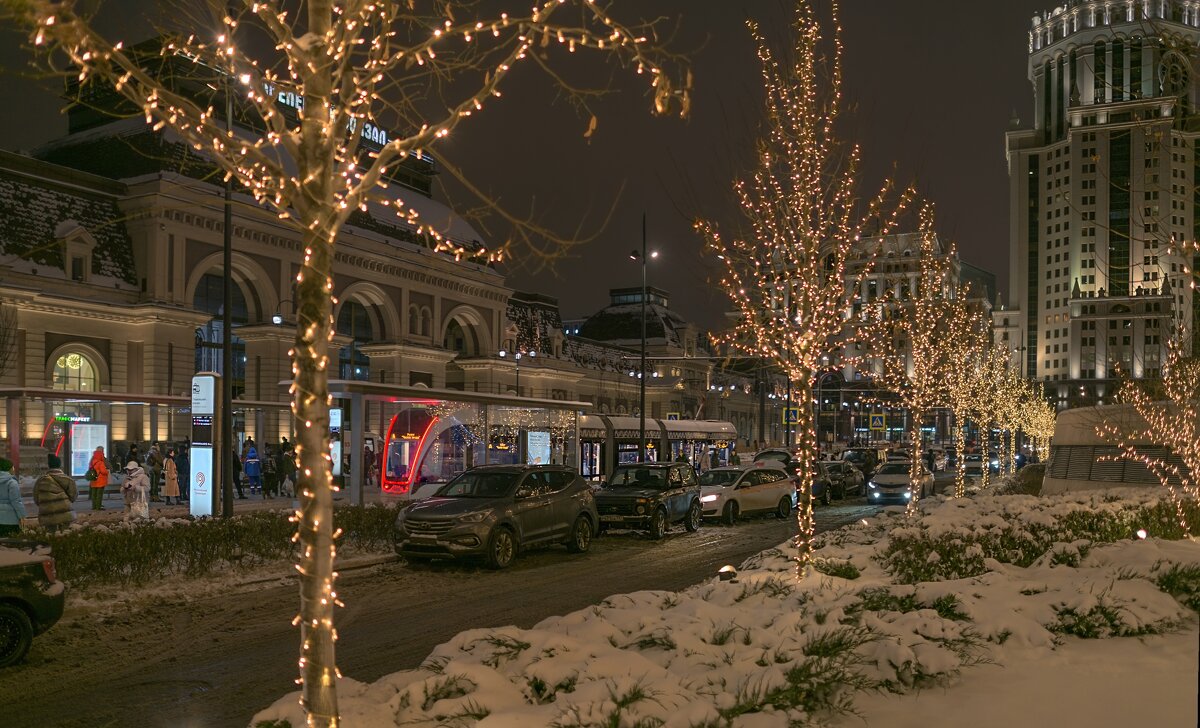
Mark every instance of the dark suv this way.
pixel 494 511
pixel 650 497
pixel 31 596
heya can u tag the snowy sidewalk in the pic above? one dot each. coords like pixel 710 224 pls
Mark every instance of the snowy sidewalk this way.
pixel 1149 681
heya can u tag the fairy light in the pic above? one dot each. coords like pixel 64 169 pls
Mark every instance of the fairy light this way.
pixel 788 276
pixel 350 64
pixel 1168 416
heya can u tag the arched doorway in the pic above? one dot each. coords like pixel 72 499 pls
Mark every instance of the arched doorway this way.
pixel 210 338
pixel 75 372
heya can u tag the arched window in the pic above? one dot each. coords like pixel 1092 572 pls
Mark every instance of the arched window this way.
pixel 210 339
pixel 459 339
pixel 354 320
pixel 74 372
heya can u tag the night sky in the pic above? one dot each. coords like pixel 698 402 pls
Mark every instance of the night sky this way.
pixel 932 87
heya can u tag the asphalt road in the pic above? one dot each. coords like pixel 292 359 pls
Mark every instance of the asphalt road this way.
pixel 215 661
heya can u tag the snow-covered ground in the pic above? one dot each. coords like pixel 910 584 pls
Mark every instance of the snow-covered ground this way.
pixel 992 611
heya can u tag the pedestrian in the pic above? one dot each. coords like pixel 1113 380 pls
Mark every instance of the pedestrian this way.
pixel 97 477
pixel 270 471
pixel 154 464
pixel 54 493
pixel 133 455
pixel 182 465
pixel 253 468
pixel 135 489
pixel 237 473
pixel 12 508
pixel 246 446
pixel 170 478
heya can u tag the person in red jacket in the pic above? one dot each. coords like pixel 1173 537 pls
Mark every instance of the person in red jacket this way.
pixel 100 466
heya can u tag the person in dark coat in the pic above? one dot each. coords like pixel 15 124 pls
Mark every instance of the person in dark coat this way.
pixel 54 493
pixel 237 473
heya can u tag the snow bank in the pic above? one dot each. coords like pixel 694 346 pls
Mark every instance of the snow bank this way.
pixel 771 649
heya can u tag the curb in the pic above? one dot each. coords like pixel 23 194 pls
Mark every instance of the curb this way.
pixel 363 563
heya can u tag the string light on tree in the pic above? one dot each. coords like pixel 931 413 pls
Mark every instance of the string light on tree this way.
pixel 430 64
pixel 786 274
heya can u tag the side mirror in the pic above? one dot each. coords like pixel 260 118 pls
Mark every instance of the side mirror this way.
pixel 524 492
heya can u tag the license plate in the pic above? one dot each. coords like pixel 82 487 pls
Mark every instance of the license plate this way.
pixel 612 519
pixel 423 537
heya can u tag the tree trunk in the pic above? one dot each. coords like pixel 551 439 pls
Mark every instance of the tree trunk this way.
pixel 310 395
pixel 916 415
pixel 315 518
pixel 985 438
pixel 806 454
pixel 960 441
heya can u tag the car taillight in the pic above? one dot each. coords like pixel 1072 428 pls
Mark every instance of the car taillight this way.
pixel 50 569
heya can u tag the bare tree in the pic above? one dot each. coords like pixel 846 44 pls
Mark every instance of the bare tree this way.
pixel 348 69
pixel 786 275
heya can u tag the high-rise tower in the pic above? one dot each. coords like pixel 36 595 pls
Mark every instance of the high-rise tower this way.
pixel 1100 188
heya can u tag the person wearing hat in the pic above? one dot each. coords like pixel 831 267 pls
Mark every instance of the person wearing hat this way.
pixel 54 493
pixel 135 488
pixel 12 509
pixel 97 476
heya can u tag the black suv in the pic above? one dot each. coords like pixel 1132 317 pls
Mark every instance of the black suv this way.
pixel 31 596
pixel 494 511
pixel 650 497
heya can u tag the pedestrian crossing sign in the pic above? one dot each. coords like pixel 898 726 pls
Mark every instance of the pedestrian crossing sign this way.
pixel 672 416
pixel 791 415
pixel 878 422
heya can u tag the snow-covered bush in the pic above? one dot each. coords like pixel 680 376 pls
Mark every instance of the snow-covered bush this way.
pixel 141 551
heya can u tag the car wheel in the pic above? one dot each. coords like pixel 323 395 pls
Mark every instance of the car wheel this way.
pixel 730 514
pixel 692 521
pixel 658 524
pixel 784 509
pixel 502 548
pixel 16 634
pixel 581 536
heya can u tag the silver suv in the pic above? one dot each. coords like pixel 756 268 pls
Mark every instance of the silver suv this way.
pixel 493 511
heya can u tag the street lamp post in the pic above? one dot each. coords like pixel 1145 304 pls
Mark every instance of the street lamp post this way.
pixel 635 255
pixel 516 357
pixel 226 457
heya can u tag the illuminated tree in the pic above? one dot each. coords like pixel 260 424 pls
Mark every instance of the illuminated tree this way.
pixel 1168 416
pixel 967 341
pixel 420 66
pixel 785 272
pixel 908 342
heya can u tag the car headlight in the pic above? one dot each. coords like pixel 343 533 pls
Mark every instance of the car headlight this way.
pixel 908 494
pixel 473 517
pixel 872 485
pixel 709 498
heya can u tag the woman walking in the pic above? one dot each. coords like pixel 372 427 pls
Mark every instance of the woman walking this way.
pixel 98 469
pixel 12 509
pixel 54 493
pixel 170 478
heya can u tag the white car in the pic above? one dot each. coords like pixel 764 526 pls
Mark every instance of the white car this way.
pixel 730 492
pixel 973 465
pixel 892 483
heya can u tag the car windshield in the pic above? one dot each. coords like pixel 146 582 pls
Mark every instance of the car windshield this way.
pixel 639 477
pixel 719 477
pixel 481 485
pixel 894 469
pixel 974 458
pixel 853 455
